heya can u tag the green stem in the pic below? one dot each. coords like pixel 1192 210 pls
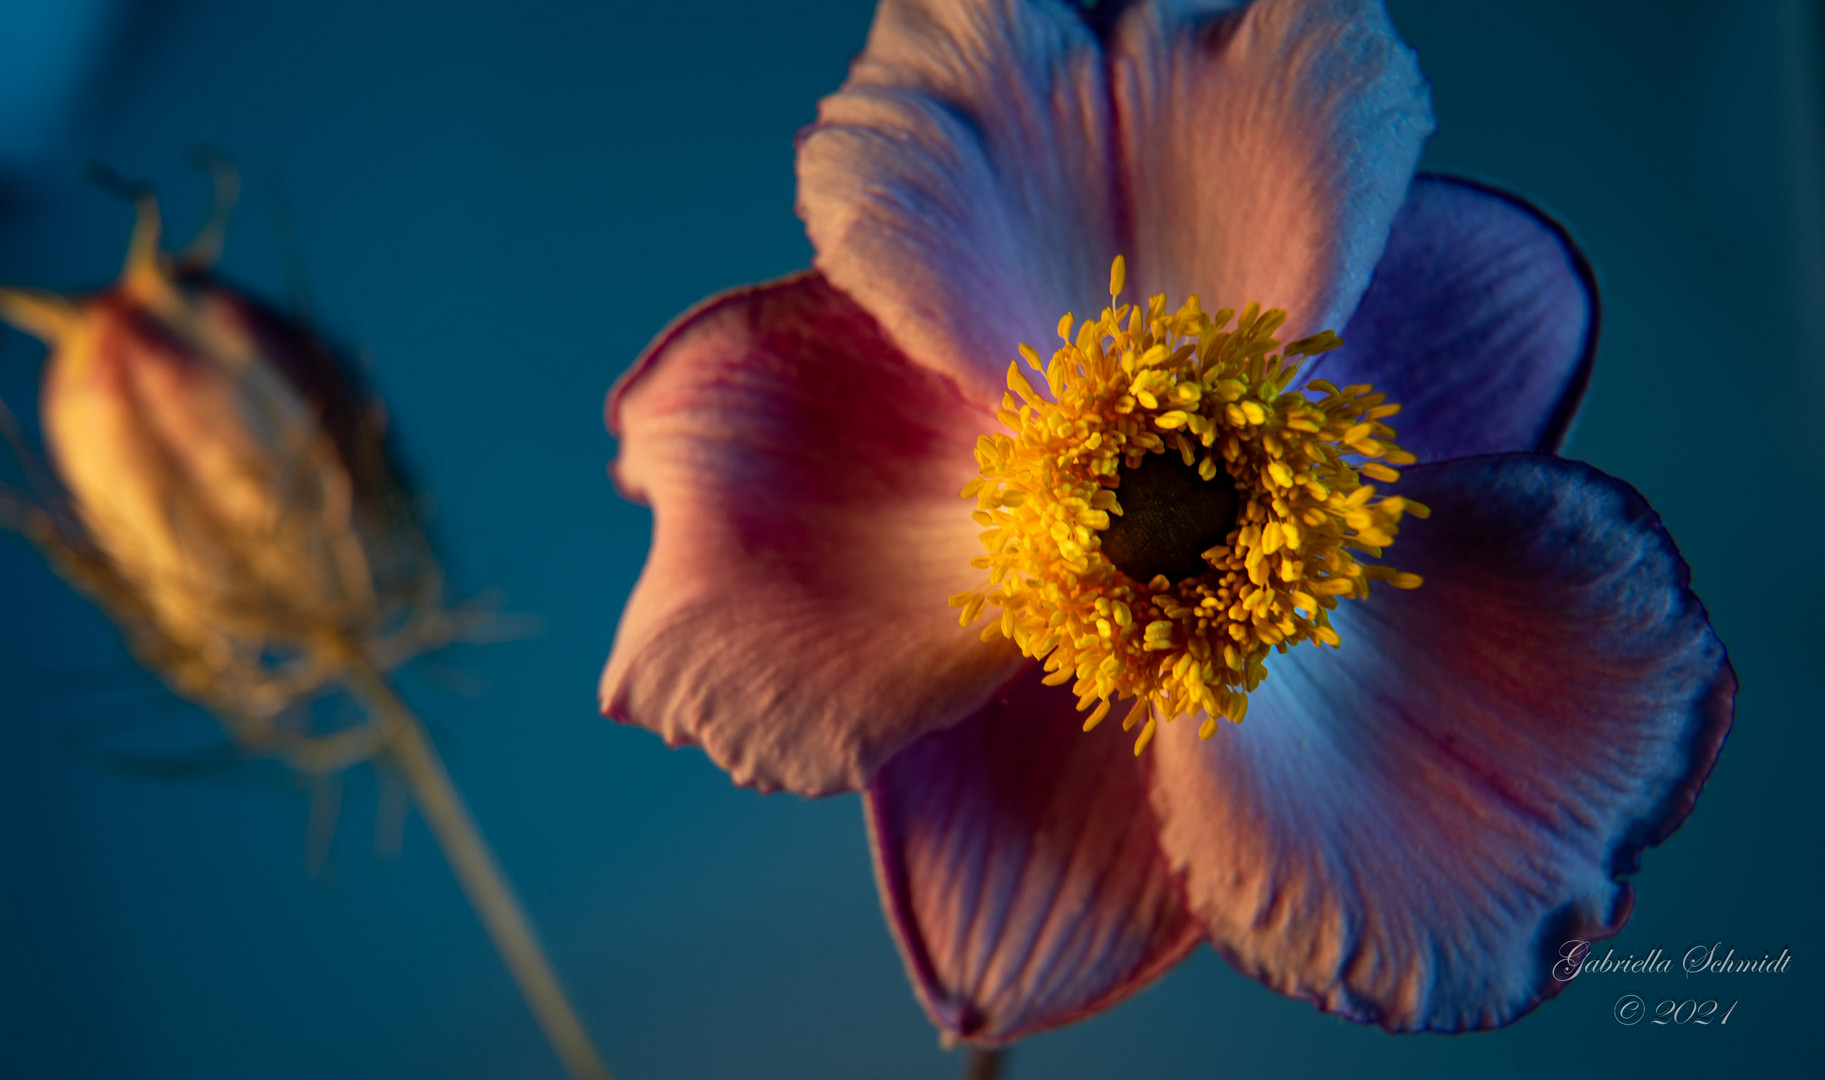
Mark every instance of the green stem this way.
pixel 984 1064
pixel 416 760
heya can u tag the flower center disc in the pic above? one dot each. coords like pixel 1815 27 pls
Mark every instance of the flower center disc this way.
pixel 1134 575
pixel 1170 517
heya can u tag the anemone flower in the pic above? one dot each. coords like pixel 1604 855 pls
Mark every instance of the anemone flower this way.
pixel 1436 783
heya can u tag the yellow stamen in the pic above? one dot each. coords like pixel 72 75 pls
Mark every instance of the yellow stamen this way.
pixel 1140 744
pixel 1210 391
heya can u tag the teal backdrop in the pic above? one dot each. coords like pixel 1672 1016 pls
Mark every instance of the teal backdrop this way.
pixel 501 203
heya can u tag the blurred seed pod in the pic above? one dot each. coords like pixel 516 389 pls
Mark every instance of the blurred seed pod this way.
pixel 223 485
pixel 223 488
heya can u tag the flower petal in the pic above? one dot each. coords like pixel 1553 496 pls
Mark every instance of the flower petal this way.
pixel 959 185
pixel 1017 862
pixel 804 478
pixel 1481 322
pixel 1406 830
pixel 1266 150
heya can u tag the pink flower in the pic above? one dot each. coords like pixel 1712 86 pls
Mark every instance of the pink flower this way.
pixel 1406 827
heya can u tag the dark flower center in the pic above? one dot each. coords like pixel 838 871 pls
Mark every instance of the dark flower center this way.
pixel 1170 517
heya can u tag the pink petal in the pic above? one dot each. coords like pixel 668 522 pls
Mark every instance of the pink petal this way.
pixel 959 185
pixel 804 478
pixel 1408 829
pixel 1017 861
pixel 1265 150
pixel 1481 323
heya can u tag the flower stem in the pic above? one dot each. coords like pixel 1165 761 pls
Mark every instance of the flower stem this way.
pixel 416 760
pixel 984 1064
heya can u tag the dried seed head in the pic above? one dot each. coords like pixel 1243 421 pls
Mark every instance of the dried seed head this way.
pixel 230 495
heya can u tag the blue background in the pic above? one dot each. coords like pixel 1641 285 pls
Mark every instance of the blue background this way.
pixel 503 202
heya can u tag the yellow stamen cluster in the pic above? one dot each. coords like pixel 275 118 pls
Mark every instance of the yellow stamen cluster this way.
pixel 1142 380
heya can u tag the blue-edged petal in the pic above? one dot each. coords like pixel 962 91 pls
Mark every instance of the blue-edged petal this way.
pixel 1018 865
pixel 1407 829
pixel 1265 150
pixel 807 531
pixel 959 186
pixel 1481 322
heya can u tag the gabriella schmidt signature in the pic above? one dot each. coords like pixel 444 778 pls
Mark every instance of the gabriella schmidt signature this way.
pixel 1714 959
